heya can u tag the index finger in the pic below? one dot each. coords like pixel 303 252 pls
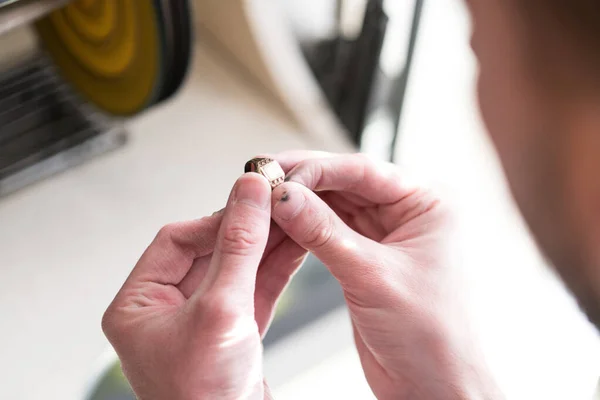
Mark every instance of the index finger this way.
pixel 171 254
pixel 376 181
pixel 289 159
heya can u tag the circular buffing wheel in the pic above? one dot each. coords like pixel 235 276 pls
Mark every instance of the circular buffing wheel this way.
pixel 167 32
pixel 178 29
pixel 109 50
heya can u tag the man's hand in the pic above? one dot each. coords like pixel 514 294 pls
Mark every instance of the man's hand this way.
pixel 187 323
pixel 384 241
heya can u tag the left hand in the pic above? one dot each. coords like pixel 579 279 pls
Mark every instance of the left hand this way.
pixel 188 322
pixel 387 241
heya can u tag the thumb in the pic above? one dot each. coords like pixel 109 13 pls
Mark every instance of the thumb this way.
pixel 311 223
pixel 241 240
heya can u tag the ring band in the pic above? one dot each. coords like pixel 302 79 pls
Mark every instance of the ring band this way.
pixel 268 168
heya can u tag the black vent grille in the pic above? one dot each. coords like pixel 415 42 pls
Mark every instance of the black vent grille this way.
pixel 42 121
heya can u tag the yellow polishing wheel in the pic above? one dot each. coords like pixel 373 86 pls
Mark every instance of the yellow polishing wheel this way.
pixel 109 50
pixel 92 24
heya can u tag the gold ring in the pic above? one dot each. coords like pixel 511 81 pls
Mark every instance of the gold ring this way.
pixel 268 168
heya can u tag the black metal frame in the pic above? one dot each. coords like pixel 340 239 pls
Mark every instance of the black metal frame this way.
pixel 399 104
pixel 349 74
pixel 44 127
pixel 317 292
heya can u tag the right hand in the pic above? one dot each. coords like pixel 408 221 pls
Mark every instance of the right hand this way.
pixel 385 242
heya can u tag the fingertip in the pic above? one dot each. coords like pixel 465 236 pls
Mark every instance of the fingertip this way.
pixel 264 155
pixel 253 177
pixel 289 200
pixel 253 189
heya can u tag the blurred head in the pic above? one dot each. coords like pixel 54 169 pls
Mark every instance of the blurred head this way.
pixel 539 93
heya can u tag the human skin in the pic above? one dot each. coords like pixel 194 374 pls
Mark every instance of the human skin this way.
pixel 182 323
pixel 539 97
pixel 188 322
pixel 383 239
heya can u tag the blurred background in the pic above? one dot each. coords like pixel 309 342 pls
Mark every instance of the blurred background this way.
pixel 107 134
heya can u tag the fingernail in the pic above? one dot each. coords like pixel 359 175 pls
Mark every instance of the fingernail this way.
pixel 218 212
pixel 290 204
pixel 252 189
pixel 294 177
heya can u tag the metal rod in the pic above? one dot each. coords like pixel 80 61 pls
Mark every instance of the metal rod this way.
pixel 409 59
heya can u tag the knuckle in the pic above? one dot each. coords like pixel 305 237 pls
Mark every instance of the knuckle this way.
pixel 166 232
pixel 370 163
pixel 318 174
pixel 239 239
pixel 362 167
pixel 219 307
pixel 225 311
pixel 367 158
pixel 320 234
pixel 308 173
pixel 108 324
